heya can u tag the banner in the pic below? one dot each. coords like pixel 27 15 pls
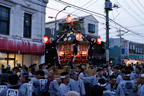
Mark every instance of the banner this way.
pixel 126 48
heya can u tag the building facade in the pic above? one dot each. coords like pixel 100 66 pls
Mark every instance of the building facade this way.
pixel 127 51
pixel 22 27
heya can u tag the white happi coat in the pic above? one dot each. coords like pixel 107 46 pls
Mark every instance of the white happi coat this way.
pixel 141 91
pixel 72 85
pixel 54 88
pixel 125 87
pixel 63 89
pixel 80 86
pixel 119 79
pixel 93 80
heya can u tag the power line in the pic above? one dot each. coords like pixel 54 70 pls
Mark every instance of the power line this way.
pixel 91 4
pixel 127 12
pixel 140 4
pixel 94 13
pixel 133 10
pixel 137 6
pixel 82 6
pixel 82 9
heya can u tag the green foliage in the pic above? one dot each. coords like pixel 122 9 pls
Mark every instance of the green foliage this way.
pixel 66 26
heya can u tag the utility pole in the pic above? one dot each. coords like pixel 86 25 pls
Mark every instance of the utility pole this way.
pixel 108 7
pixel 120 35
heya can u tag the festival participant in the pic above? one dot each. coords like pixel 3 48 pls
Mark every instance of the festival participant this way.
pixel 15 70
pixel 4 79
pixel 79 84
pixel 125 87
pixel 24 78
pixel 81 71
pixel 93 80
pixel 136 74
pixel 116 71
pixel 112 86
pixel 42 67
pixel 25 70
pixel 42 82
pixel 120 77
pixel 13 88
pixel 102 82
pixel 64 88
pixel 72 85
pixel 52 85
pixel 140 91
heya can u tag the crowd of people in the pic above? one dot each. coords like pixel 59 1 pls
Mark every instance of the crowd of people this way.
pixel 39 80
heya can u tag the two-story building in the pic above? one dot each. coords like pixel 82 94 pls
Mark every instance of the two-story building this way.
pixel 22 27
pixel 126 51
pixel 89 25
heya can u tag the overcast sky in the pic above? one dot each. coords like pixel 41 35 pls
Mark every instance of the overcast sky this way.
pixel 130 14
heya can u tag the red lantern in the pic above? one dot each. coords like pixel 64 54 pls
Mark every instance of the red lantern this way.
pixel 68 19
pixel 99 41
pixel 78 36
pixel 46 39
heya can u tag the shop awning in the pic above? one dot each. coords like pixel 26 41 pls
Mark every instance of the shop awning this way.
pixel 21 46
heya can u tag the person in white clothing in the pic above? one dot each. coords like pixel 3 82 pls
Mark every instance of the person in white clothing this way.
pixel 64 88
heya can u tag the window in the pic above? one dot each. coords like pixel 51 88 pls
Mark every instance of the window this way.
pixel 91 28
pixel 27 25
pixel 4 20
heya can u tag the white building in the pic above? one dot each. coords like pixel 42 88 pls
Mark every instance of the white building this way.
pixel 89 25
pixel 22 27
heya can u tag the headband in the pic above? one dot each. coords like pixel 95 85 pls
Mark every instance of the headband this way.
pixel 127 75
pixel 102 85
pixel 113 79
pixel 64 76
pixel 142 75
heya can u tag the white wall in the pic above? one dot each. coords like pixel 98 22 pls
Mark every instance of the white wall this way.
pixel 90 20
pixel 17 9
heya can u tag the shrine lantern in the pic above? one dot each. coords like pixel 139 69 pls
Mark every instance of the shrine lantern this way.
pixel 46 39
pixel 78 36
pixel 99 41
pixel 68 19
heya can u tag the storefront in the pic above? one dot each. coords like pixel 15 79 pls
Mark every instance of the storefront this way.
pixel 18 59
pixel 19 52
pixel 134 59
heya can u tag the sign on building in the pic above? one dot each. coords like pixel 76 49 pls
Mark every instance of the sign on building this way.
pixel 126 48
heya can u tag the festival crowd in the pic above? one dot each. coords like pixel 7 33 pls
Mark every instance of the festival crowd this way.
pixel 39 80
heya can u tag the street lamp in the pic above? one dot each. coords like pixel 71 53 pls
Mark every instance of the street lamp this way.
pixel 56 17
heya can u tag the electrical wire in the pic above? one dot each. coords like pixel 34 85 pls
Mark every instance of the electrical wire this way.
pixel 82 6
pixel 96 14
pixel 140 4
pixel 127 12
pixel 132 9
pixel 82 9
pixel 137 6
